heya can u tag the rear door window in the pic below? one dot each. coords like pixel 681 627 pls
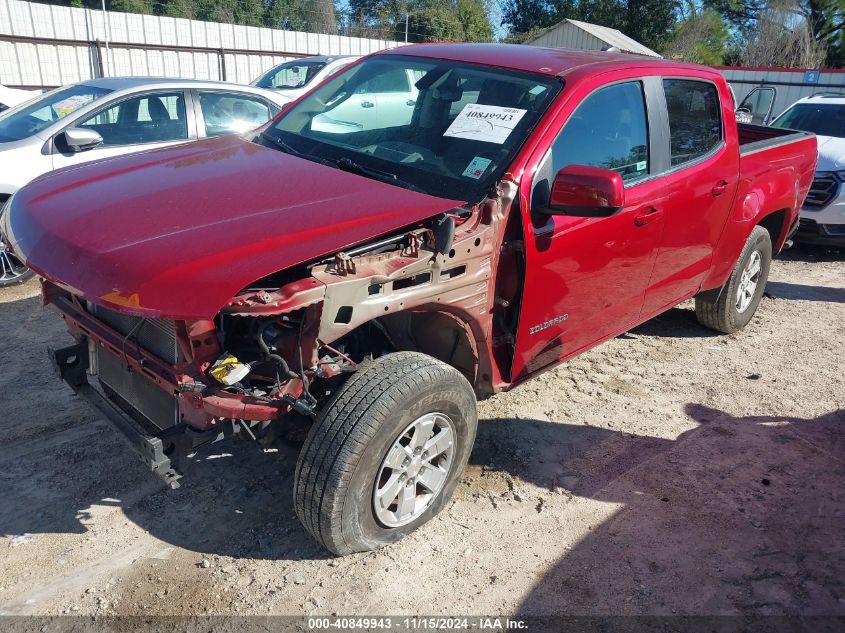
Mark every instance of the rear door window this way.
pixel 231 112
pixel 695 120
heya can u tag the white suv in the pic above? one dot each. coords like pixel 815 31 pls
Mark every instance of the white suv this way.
pixel 823 214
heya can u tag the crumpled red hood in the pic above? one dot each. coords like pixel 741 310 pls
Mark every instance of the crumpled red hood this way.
pixel 175 233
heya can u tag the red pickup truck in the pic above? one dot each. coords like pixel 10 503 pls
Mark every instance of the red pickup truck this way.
pixel 434 224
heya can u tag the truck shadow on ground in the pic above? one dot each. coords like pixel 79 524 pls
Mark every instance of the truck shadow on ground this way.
pixel 739 515
pixel 812 253
pixel 674 323
pixel 235 501
pixel 803 292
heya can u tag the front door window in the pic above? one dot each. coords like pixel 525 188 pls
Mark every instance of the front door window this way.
pixel 149 118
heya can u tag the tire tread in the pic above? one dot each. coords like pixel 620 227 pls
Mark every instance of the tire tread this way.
pixel 713 308
pixel 344 429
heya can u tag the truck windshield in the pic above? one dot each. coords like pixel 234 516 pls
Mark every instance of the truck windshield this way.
pixel 289 76
pixel 447 128
pixel 823 119
pixel 30 118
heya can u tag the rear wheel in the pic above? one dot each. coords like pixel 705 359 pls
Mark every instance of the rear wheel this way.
pixel 731 307
pixel 385 455
pixel 12 271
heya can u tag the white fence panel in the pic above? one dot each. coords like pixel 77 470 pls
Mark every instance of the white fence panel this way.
pixel 48 45
pixel 790 84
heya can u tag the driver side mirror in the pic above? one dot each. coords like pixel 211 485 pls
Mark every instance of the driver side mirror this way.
pixel 77 139
pixel 581 190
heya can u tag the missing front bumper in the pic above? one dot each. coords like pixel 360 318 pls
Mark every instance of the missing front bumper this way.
pixel 164 452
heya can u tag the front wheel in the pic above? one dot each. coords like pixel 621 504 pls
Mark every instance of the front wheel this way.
pixel 731 307
pixel 386 453
pixel 12 271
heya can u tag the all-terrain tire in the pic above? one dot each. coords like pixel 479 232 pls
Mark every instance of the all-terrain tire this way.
pixel 718 309
pixel 338 468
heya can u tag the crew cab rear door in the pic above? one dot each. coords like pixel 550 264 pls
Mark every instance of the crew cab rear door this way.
pixel 585 277
pixel 699 183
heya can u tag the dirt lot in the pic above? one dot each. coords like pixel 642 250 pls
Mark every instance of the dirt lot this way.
pixel 669 471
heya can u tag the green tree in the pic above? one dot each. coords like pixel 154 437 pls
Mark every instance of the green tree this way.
pixel 524 17
pixel 132 6
pixel 178 9
pixel 323 17
pixel 428 20
pixel 825 20
pixel 458 20
pixel 291 15
pixel 700 37
pixel 649 22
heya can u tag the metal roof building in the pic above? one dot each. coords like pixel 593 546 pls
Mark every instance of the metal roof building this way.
pixel 585 36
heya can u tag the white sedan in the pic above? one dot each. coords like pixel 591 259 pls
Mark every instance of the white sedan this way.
pixel 101 118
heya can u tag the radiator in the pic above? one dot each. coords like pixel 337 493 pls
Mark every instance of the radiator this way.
pixel 136 395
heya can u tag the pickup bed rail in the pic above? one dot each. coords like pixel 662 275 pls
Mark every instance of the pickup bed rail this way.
pixel 753 138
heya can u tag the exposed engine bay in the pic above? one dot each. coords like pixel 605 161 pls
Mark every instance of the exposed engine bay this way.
pixel 302 332
pixel 274 355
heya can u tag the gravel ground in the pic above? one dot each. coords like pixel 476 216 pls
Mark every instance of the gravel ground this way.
pixel 668 471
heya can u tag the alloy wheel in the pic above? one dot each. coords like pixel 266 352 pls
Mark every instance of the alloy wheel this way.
pixel 11 269
pixel 748 282
pixel 415 470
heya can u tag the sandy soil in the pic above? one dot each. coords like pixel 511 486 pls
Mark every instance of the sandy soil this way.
pixel 669 471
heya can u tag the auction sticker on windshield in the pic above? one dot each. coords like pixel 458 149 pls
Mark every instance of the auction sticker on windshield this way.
pixel 491 124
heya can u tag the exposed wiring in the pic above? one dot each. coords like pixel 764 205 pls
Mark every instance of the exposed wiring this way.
pixel 312 400
pixel 135 328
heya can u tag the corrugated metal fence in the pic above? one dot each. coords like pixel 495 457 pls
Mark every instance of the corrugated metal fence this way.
pixel 790 84
pixel 43 46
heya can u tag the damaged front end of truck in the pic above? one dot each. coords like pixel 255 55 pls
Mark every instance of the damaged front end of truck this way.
pixel 274 354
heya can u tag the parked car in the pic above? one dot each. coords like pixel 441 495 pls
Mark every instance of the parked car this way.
pixel 10 97
pixel 104 118
pixel 385 101
pixel 534 203
pixel 823 214
pixel 293 79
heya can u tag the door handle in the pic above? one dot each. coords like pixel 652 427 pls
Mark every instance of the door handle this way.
pixel 411 102
pixel 367 104
pixel 720 188
pixel 641 219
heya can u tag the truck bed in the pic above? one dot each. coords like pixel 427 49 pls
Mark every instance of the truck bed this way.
pixel 775 172
pixel 753 138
